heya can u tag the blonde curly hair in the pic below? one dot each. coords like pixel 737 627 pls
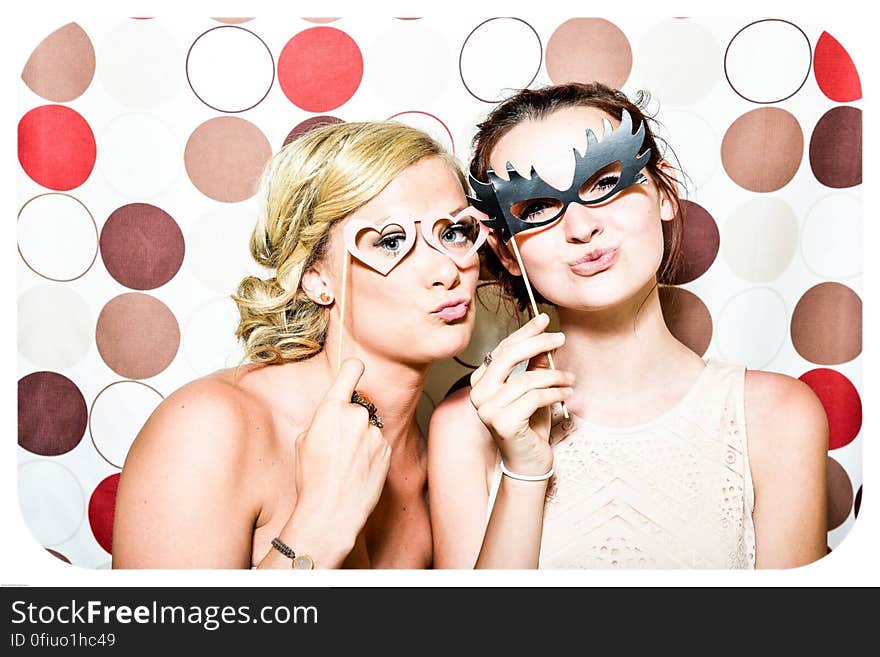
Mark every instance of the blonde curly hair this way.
pixel 306 188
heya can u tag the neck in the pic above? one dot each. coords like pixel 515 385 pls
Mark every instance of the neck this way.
pixel 616 352
pixel 394 387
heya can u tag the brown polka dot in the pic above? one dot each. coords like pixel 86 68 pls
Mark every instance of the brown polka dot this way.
pixel 589 50
pixel 308 125
pixel 687 317
pixel 137 335
pixel 52 414
pixel 840 494
pixel 224 158
pixel 233 21
pixel 62 67
pixel 761 151
pixel 826 326
pixel 321 20
pixel 58 555
pixel 836 148
pixel 699 245
pixel 142 246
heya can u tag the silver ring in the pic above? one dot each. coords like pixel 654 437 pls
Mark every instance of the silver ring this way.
pixel 487 359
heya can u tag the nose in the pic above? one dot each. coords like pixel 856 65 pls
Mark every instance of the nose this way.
pixel 439 269
pixel 581 223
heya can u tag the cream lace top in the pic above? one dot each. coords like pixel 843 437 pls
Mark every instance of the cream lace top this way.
pixel 674 492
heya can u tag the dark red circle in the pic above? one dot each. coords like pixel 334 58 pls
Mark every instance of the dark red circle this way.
pixel 699 245
pixel 308 125
pixel 320 69
pixel 102 506
pixel 52 414
pixel 836 74
pixel 142 246
pixel 842 404
pixel 56 147
pixel 836 148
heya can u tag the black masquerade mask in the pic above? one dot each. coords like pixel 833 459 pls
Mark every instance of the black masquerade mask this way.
pixel 521 204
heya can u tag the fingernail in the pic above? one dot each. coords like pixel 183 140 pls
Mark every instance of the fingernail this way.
pixel 542 317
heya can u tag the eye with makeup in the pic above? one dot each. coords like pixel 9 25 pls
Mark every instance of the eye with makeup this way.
pixel 461 235
pixel 601 183
pixel 390 241
pixel 537 209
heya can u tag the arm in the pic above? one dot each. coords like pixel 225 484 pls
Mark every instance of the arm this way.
pixel 462 450
pixel 788 450
pixel 182 500
pixel 461 453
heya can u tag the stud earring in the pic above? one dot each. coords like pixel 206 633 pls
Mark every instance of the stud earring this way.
pixel 325 298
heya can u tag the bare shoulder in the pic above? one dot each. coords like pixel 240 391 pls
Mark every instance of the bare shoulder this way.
pixel 455 420
pixel 785 421
pixel 208 416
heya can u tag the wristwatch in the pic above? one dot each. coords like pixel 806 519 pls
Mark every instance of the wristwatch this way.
pixel 297 561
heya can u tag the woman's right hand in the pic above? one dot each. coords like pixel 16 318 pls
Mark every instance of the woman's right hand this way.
pixel 516 410
pixel 341 459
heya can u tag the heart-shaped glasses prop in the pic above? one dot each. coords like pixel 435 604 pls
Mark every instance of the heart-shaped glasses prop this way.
pixel 382 247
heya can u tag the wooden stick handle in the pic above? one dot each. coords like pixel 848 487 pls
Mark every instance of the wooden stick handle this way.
pixel 531 294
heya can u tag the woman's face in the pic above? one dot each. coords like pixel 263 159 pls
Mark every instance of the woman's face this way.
pixel 423 309
pixel 593 257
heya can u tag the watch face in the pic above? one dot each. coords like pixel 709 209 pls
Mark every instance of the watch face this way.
pixel 303 562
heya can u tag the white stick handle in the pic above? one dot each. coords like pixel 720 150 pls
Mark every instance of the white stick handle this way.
pixel 531 294
pixel 342 310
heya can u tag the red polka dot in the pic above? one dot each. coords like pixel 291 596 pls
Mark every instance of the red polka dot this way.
pixel 56 147
pixel 320 69
pixel 102 506
pixel 835 72
pixel 842 403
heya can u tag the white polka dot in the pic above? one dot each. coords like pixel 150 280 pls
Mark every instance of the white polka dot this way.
pixel 209 341
pixel 139 155
pixel 140 64
pixel 668 49
pixel 52 501
pixel 55 326
pixel 230 69
pixel 694 145
pixel 752 327
pixel 759 239
pixel 768 61
pixel 117 415
pixel 57 236
pixel 832 237
pixel 410 65
pixel 217 247
pixel 500 55
pixel 427 123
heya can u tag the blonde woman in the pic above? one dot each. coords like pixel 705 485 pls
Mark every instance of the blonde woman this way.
pixel 295 459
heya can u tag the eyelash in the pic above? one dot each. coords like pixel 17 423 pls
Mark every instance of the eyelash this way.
pixel 382 243
pixel 606 182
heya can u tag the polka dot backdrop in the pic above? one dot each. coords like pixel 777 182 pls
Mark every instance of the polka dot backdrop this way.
pixel 141 141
